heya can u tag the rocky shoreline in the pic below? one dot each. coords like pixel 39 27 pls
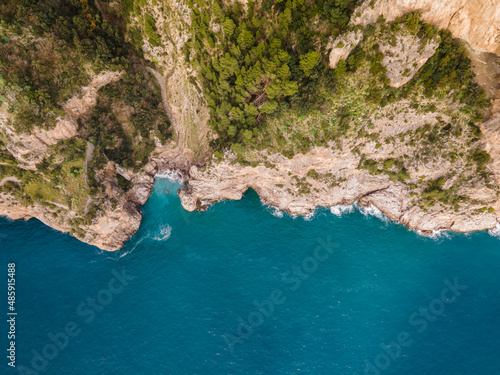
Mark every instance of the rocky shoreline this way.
pixel 324 177
pixel 114 226
pixel 226 180
pixel 275 186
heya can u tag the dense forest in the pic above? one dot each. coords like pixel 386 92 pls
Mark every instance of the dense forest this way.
pixel 267 58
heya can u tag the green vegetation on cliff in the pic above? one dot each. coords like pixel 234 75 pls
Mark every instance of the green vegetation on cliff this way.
pixel 264 69
pixel 49 50
pixel 261 67
pixel 257 62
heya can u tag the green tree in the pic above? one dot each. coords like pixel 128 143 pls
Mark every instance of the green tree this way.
pixel 340 68
pixel 237 148
pixel 289 88
pixel 309 61
pixel 228 27
pixel 284 19
pixel 247 136
pixel 237 114
pixel 245 39
pixel 217 11
pixel 269 107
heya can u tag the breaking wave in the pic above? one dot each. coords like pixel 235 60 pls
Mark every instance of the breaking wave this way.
pixel 165 233
pixel 275 211
pixel 171 174
pixel 342 209
pixel 310 215
pixel 371 211
pixel 495 232
pixel 436 234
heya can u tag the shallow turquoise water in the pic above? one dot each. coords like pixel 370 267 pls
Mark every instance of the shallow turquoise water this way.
pixel 342 288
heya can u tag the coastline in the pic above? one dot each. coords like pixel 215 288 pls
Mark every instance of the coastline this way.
pixel 328 176
pixel 228 181
pixel 275 187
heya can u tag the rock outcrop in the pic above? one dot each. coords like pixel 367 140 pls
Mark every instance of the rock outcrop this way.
pixel 475 21
pixel 491 143
pixel 278 186
pixel 342 46
pixel 184 95
pixel 114 225
pixel 403 59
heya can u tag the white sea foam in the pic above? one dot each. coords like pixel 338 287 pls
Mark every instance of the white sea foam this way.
pixel 495 232
pixel 342 209
pixel 436 234
pixel 275 211
pixel 129 251
pixel 206 205
pixel 171 174
pixel 371 211
pixel 310 215
pixel 165 233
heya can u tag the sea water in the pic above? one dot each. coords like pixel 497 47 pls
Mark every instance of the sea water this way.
pixel 243 288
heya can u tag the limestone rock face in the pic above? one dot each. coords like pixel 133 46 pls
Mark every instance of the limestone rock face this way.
pixel 114 227
pixel 277 187
pixel 405 58
pixel 343 45
pixel 180 86
pixel 475 21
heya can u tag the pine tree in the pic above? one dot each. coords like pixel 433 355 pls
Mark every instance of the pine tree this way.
pixel 245 39
pixel 309 61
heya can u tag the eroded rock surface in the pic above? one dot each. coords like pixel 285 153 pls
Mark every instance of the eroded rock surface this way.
pixel 403 59
pixel 475 21
pixel 278 187
pixel 343 45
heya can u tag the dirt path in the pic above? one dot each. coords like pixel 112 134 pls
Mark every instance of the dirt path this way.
pixel 58 205
pixel 161 81
pixel 88 158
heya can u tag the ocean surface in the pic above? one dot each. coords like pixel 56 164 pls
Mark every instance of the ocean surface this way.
pixel 245 289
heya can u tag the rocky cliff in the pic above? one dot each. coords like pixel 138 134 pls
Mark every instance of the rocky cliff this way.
pixel 304 182
pixel 115 226
pixel 379 164
pixel 30 148
pixel 475 21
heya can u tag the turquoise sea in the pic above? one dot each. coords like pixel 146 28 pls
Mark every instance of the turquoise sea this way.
pixel 240 290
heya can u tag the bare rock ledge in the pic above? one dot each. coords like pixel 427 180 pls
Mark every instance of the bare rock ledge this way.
pixel 276 187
